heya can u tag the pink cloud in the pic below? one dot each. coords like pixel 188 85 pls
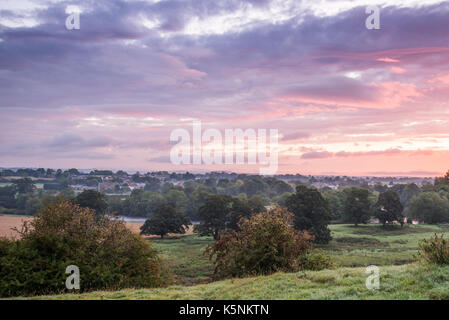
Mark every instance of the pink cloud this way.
pixel 388 60
pixel 398 70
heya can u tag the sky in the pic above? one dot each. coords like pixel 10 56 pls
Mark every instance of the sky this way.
pixel 346 100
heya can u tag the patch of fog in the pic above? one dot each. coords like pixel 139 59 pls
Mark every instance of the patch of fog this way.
pixel 131 219
pixel 140 219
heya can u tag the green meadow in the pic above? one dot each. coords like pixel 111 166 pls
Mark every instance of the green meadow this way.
pixel 393 249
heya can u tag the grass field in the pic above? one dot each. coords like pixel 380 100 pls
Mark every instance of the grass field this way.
pixel 351 247
pixel 185 258
pixel 396 282
pixel 373 244
pixel 394 250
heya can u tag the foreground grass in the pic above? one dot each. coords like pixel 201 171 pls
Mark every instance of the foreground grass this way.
pixel 351 247
pixel 373 244
pixel 396 282
pixel 185 258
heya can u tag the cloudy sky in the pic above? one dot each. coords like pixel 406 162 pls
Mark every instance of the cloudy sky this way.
pixel 345 99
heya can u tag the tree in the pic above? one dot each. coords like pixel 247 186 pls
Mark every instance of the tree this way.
pixel 265 243
pixel 108 254
pixel 356 205
pixel 389 208
pixel 429 207
pixel 443 180
pixel 214 214
pixel 254 185
pixel 257 203
pixel 8 197
pixel 139 204
pixel 24 185
pixel 335 199
pixel 311 212
pixel 165 219
pixel 93 200
pixel 178 198
pixel 240 208
pixel 73 172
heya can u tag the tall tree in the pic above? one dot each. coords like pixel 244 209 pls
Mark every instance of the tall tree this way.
pixel 356 205
pixel 24 185
pixel 389 208
pixel 93 200
pixel 240 208
pixel 429 207
pixel 443 180
pixel 165 219
pixel 311 212
pixel 214 214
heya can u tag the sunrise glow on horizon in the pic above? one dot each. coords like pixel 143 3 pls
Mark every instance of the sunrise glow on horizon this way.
pixel 345 100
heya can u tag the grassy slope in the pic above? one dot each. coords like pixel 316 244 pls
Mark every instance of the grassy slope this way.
pixel 396 282
pixel 185 258
pixel 351 247
pixel 373 244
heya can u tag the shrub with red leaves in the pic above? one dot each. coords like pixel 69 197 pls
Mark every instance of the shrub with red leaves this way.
pixel 266 243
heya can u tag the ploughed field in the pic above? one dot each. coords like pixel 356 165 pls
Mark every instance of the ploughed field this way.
pixel 393 249
pixel 9 222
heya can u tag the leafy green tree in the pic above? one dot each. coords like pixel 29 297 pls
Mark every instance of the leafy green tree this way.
pixel 178 198
pixel 356 205
pixel 389 208
pixel 67 194
pixel 335 199
pixel 214 215
pixel 311 212
pixel 281 200
pixel 443 180
pixel 380 188
pixel 240 208
pixel 254 185
pixel 153 185
pixel 7 197
pixel 281 187
pixel 24 185
pixel 429 207
pixel 165 219
pixel 109 255
pixel 139 204
pixel 257 203
pixel 93 200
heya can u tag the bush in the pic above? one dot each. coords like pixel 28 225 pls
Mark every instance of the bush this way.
pixel 108 254
pixel 434 250
pixel 316 260
pixel 265 243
